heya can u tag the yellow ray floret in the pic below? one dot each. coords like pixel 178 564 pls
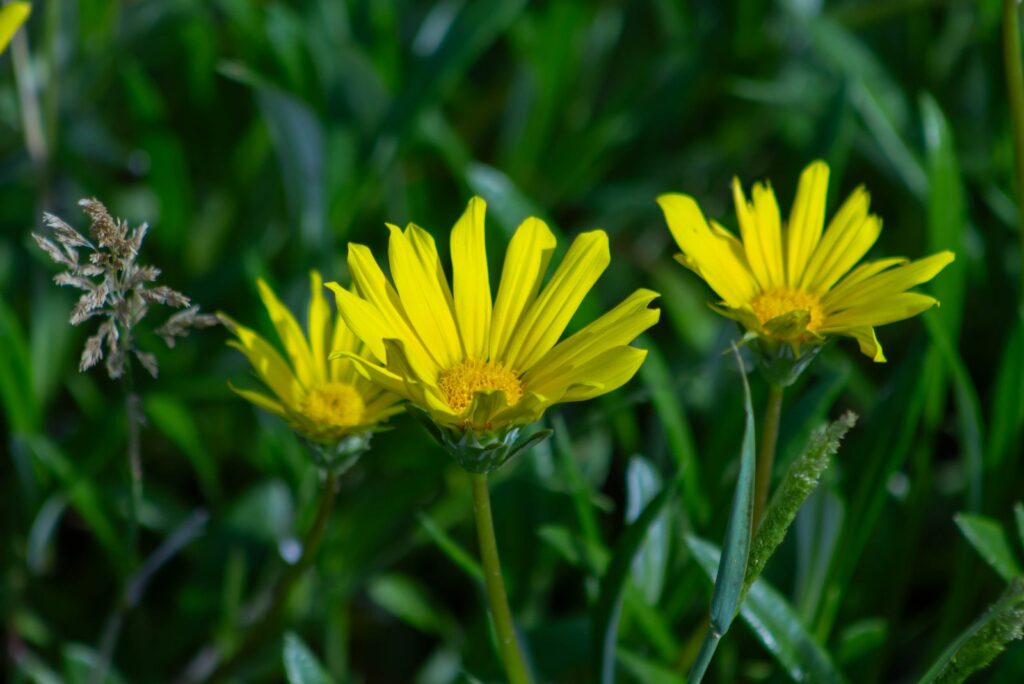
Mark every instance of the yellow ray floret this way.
pixel 12 16
pixel 323 399
pixel 482 364
pixel 794 283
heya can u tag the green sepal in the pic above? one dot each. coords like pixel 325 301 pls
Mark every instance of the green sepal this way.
pixel 338 457
pixel 480 452
pixel 780 363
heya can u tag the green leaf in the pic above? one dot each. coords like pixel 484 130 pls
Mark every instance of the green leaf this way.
pixel 16 388
pixel 665 397
pixel 171 417
pixel 642 484
pixel 989 539
pixel 729 580
pixel 980 643
pixel 407 600
pixel 645 670
pixel 608 609
pixel 775 624
pixel 451 548
pixel 300 665
pixel 1018 513
pixel 1007 402
pixel 860 639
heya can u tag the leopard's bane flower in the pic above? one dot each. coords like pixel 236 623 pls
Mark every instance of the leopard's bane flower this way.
pixel 324 400
pixel 482 368
pixel 792 285
pixel 12 16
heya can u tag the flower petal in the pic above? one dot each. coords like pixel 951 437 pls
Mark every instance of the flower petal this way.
pixel 12 16
pixel 761 233
pixel 604 373
pixel 718 259
pixel 290 334
pixel 850 235
pixel 319 325
pixel 550 313
pixel 869 345
pixel 471 281
pixel 272 369
pixel 891 282
pixel 617 327
pixel 887 308
pixel 526 262
pixel 259 399
pixel 426 297
pixel 806 220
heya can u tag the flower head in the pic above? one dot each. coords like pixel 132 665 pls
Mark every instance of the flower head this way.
pixel 325 400
pixel 792 284
pixel 479 365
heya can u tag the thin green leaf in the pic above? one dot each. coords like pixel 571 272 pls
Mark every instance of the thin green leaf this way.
pixel 609 602
pixel 1018 513
pixel 990 541
pixel 300 665
pixel 451 548
pixel 775 624
pixel 409 601
pixel 650 563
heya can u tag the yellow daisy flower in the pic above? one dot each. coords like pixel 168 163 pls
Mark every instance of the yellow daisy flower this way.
pixel 482 366
pixel 325 400
pixel 793 284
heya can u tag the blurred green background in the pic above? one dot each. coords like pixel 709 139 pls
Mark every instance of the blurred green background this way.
pixel 257 138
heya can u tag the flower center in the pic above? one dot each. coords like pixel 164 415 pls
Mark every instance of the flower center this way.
pixel 334 404
pixel 780 301
pixel 460 382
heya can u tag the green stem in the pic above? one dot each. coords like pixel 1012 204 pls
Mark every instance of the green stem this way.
pixel 766 451
pixel 707 652
pixel 515 667
pixel 1015 90
pixel 265 627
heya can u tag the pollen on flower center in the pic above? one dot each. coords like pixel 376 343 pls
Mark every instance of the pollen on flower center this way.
pixel 460 382
pixel 779 301
pixel 334 404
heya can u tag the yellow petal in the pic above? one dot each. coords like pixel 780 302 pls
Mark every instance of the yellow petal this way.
pixel 718 258
pixel 363 319
pixel 850 235
pixel 551 312
pixel 806 220
pixel 418 389
pixel 620 326
pixel 319 325
pixel 891 282
pixel 604 373
pixel 762 237
pixel 526 262
pixel 471 281
pixel 261 400
pixel 869 345
pixel 886 309
pixel 12 16
pixel 290 334
pixel 376 289
pixel 769 226
pixel 423 288
pixel 851 282
pixel 272 369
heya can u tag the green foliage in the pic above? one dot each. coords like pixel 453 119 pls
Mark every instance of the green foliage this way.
pixel 258 138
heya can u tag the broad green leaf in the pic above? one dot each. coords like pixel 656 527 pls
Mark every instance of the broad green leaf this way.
pixel 300 665
pixel 16 387
pixel 990 541
pixel 642 484
pixel 609 602
pixel 775 624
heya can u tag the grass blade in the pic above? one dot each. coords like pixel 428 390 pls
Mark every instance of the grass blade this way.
pixel 990 541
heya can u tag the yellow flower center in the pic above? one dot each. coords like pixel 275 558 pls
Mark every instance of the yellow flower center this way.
pixel 780 301
pixel 333 405
pixel 460 382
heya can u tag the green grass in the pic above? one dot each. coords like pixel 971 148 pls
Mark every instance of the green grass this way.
pixel 259 137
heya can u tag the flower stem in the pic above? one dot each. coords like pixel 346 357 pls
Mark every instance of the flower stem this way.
pixel 515 667
pixel 1015 91
pixel 766 451
pixel 260 631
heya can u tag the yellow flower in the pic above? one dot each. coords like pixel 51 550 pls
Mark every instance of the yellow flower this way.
pixel 793 284
pixel 324 400
pixel 12 16
pixel 484 366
